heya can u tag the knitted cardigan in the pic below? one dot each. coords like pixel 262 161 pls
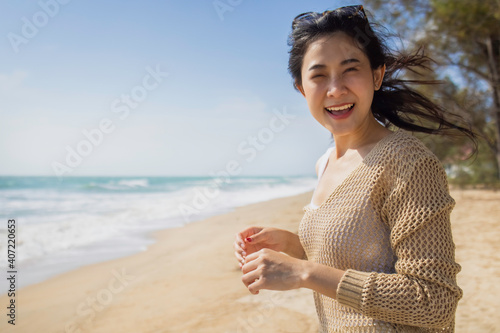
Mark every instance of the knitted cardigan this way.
pixel 388 226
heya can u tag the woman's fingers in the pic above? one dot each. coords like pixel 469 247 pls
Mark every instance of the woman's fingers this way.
pixel 249 265
pixel 256 237
pixel 250 276
pixel 239 240
pixel 248 232
pixel 238 248
pixel 240 257
pixel 252 279
pixel 255 286
pixel 241 247
pixel 239 252
pixel 249 262
pixel 252 256
pixel 239 244
pixel 250 271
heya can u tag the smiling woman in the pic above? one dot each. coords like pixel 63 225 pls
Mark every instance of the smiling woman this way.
pixel 337 78
pixel 375 244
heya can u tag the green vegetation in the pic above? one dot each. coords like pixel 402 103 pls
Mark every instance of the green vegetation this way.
pixel 463 36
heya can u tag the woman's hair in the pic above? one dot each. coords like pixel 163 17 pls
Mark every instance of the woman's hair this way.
pixel 395 102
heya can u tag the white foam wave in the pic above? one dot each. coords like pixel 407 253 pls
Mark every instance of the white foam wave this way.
pixel 134 183
pixel 62 221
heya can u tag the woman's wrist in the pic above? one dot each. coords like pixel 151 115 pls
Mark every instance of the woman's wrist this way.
pixel 320 278
pixel 305 274
pixel 293 247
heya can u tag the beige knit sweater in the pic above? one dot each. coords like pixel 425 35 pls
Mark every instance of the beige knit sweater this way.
pixel 388 226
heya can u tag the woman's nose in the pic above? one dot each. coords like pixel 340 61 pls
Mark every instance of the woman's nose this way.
pixel 336 88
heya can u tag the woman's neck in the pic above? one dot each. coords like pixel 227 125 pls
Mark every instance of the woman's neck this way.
pixel 363 140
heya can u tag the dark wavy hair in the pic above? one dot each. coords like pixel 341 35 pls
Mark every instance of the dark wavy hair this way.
pixel 395 102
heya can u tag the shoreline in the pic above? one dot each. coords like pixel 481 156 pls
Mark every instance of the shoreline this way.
pixel 122 245
pixel 189 280
pixel 185 268
pixel 95 219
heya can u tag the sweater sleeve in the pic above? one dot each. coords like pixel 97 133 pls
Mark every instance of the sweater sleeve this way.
pixel 423 291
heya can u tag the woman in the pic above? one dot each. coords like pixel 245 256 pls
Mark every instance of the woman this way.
pixel 375 243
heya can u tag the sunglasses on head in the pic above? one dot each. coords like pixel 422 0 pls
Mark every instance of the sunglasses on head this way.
pixel 349 11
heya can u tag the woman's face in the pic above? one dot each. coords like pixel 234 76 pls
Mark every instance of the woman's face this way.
pixel 338 84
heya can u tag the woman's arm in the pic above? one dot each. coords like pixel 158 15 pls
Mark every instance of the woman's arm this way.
pixel 321 278
pixel 423 292
pixel 293 246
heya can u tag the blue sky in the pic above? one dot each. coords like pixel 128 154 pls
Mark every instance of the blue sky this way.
pixel 201 83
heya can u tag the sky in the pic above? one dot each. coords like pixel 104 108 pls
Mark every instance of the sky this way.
pixel 153 88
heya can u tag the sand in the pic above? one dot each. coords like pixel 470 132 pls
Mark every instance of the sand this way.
pixel 189 280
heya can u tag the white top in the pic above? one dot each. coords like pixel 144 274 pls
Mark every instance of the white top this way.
pixel 323 160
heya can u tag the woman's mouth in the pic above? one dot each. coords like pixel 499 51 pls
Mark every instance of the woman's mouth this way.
pixel 340 112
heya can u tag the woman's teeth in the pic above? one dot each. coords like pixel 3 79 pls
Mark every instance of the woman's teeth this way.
pixel 340 108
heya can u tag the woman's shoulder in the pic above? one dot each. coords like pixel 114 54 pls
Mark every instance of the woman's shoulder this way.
pixel 403 154
pixel 403 147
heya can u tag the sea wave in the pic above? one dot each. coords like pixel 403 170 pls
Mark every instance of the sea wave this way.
pixel 118 185
pixel 54 217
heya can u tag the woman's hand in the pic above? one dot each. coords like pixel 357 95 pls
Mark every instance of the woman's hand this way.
pixel 268 269
pixel 254 239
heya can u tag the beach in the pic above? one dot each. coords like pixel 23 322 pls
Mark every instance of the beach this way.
pixel 188 280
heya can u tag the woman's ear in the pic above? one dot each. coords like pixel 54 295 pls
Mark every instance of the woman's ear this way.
pixel 378 76
pixel 300 88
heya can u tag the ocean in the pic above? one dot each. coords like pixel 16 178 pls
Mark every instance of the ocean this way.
pixel 65 223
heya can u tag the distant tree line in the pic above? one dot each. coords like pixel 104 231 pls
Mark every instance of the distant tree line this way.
pixel 463 37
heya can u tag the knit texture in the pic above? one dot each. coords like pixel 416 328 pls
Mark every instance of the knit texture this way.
pixel 388 226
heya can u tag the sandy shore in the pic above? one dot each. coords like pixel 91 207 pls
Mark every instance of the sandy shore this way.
pixel 189 281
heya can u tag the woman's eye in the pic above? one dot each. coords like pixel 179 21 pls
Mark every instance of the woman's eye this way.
pixel 317 76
